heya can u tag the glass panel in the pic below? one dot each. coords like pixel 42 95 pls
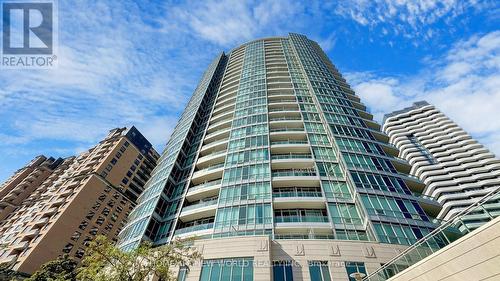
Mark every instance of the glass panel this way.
pixel 247 270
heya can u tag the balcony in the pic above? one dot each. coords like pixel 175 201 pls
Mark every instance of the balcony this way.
pixel 208 174
pixel 288 142
pixel 32 233
pixel 19 245
pixel 286 132
pixel 216 157
pixel 222 117
pixel 301 219
pixel 216 136
pixel 284 109
pixel 202 209
pixel 213 147
pixel 295 177
pixel 294 173
pixel 220 125
pixel 291 156
pixel 288 121
pixel 291 161
pixel 295 197
pixel 204 190
pixel 294 224
pixel 200 228
pixel 41 222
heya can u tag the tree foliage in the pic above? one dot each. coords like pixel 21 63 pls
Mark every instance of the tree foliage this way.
pixel 7 273
pixel 61 269
pixel 105 262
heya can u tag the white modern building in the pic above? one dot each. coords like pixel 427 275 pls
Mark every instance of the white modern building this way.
pixel 456 169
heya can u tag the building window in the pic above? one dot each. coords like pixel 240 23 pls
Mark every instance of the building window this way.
pixel 282 271
pixel 67 248
pixel 99 221
pixel 129 174
pixel 124 180
pixel 83 225
pixel 113 161
pixel 126 143
pixel 238 269
pixel 353 267
pixel 318 270
pixel 76 236
pixel 118 155
pixel 183 271
pixel 79 253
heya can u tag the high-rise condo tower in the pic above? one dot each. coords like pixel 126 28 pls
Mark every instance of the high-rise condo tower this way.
pixel 278 169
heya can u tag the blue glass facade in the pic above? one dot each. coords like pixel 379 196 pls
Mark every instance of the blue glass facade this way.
pixel 274 142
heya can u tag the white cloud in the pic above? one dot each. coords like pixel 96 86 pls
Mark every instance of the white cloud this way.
pixel 411 18
pixel 464 84
pixel 230 22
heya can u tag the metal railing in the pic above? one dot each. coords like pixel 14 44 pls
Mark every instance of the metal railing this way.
pixel 291 156
pixel 200 204
pixel 287 130
pixel 426 246
pixel 297 193
pixel 289 142
pixel 205 184
pixel 294 173
pixel 194 228
pixel 279 219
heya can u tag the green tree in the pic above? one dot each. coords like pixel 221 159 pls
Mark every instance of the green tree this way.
pixel 61 269
pixel 6 273
pixel 105 262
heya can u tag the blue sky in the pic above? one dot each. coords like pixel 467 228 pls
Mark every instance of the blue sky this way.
pixel 125 63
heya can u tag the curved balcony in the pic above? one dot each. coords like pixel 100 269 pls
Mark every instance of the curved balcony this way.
pixel 200 229
pixel 214 158
pixel 204 190
pixel 226 123
pixel 208 174
pixel 282 109
pixel 297 197
pixel 214 146
pixel 202 209
pixel 291 160
pixel 221 117
pixel 218 135
pixel 295 177
pixel 286 132
pixel 284 224
pixel 286 121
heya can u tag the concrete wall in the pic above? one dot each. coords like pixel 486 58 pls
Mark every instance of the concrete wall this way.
pixel 264 251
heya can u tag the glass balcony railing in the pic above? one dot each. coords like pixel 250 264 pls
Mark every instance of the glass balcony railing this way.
pixel 194 228
pixel 205 184
pixel 215 153
pixel 297 193
pixel 303 236
pixel 201 204
pixel 289 142
pixel 291 156
pixel 282 100
pixel 290 118
pixel 283 109
pixel 279 219
pixel 286 130
pixel 213 167
pixel 294 173
pixel 437 239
